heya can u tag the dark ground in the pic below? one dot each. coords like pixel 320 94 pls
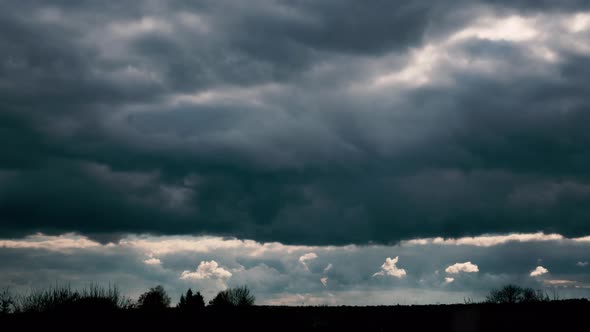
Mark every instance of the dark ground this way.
pixel 552 316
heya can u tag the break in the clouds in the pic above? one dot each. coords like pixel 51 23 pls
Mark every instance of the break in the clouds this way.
pixel 411 273
pixel 289 144
pixel 307 122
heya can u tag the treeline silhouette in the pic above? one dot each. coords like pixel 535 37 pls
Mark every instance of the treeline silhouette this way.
pixel 97 298
pixel 515 294
pixel 510 308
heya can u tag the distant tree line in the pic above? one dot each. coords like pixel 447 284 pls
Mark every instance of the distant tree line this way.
pixel 516 294
pixel 97 298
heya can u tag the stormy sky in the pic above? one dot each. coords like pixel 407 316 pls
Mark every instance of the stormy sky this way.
pixel 337 152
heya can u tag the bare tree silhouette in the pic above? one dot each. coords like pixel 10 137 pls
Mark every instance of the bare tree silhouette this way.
pixel 516 294
pixel 64 298
pixel 233 297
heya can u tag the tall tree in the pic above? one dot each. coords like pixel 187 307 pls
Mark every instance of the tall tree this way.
pixel 191 301
pixel 154 299
pixel 233 297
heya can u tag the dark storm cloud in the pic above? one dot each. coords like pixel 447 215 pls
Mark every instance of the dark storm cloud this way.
pixel 263 120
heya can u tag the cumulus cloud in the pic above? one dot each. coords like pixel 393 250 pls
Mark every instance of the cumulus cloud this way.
pixel 389 268
pixel 324 281
pixel 307 257
pixel 466 267
pixel 582 263
pixel 449 280
pixel 207 270
pixel 538 271
pixel 152 261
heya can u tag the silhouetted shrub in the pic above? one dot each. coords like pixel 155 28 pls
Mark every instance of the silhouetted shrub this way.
pixel 95 297
pixel 191 302
pixel 516 294
pixel 530 295
pixel 233 297
pixel 154 299
pixel 62 298
pixel 51 299
pixel 7 302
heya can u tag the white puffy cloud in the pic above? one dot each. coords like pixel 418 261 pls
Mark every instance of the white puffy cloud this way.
pixel 307 257
pixel 324 281
pixel 466 267
pixel 207 270
pixel 449 280
pixel 152 261
pixel 328 268
pixel 582 264
pixel 389 268
pixel 538 271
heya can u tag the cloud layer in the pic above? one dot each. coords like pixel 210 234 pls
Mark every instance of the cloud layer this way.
pixel 309 122
pixel 406 273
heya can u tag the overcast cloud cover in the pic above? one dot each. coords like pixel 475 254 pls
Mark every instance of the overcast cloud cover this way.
pixel 331 129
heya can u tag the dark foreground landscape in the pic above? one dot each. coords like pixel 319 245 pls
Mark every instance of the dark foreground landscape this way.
pixel 567 315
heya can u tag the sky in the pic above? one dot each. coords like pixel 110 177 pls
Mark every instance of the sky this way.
pixel 320 152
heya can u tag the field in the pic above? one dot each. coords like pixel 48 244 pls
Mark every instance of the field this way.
pixel 567 315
